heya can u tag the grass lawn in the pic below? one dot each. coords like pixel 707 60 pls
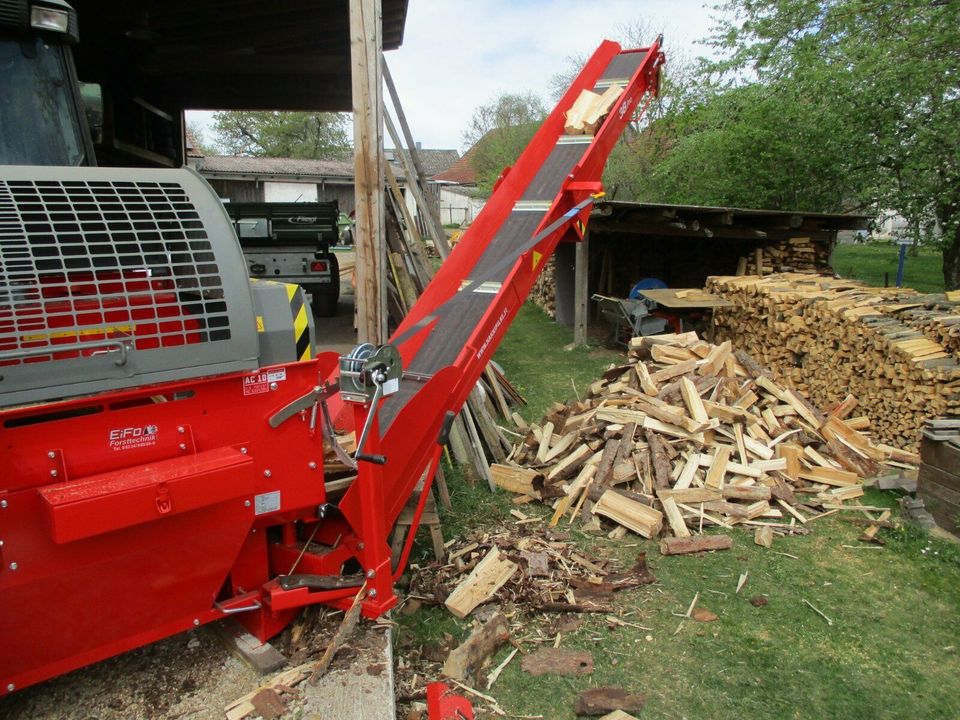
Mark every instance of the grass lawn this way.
pixel 869 262
pixel 892 651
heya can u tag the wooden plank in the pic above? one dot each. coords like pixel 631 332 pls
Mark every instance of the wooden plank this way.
pixel 674 517
pixel 581 294
pixel 753 493
pixel 718 467
pixel 631 514
pixel 690 495
pixel 497 392
pixel 699 543
pixel 673 371
pixel 515 479
pixel 366 80
pixel 646 382
pixel 435 224
pixel 830 476
pixel 692 400
pixel 688 473
pixel 791 453
pixel 571 463
pixel 579 484
pixel 651 423
pixel 546 438
pixel 482 583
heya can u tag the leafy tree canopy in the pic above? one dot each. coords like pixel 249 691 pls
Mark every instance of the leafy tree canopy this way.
pixel 498 133
pixel 827 105
pixel 317 136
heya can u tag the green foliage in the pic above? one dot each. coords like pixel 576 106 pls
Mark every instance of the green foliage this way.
pixel 498 133
pixel 315 136
pixel 834 103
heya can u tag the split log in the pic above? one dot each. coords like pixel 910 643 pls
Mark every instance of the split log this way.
pixel 465 661
pixel 487 577
pixel 699 543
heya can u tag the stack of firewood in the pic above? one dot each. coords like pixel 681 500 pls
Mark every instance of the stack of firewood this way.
pixel 828 338
pixel 939 320
pixel 691 435
pixel 798 254
pixel 544 290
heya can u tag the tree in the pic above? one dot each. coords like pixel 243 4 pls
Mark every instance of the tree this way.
pixel 199 136
pixel 317 136
pixel 869 91
pixel 499 131
pixel 630 168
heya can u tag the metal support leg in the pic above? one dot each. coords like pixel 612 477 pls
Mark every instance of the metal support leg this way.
pixel 373 549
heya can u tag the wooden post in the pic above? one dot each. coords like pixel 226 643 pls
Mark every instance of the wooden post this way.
pixel 581 291
pixel 365 45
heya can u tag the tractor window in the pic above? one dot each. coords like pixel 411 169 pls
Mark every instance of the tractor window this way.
pixel 38 120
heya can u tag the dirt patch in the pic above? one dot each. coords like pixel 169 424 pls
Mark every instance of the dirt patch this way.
pixel 190 676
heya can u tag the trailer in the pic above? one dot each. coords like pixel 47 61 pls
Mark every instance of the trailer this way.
pixel 291 243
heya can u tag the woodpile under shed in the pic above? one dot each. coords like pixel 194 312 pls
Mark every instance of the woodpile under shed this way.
pixel 894 350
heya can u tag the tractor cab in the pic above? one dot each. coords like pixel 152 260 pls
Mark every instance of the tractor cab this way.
pixel 43 120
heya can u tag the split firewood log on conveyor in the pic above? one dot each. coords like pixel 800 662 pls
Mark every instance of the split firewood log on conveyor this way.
pixel 687 435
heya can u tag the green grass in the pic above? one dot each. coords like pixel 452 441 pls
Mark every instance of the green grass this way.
pixel 893 650
pixel 534 359
pixel 922 272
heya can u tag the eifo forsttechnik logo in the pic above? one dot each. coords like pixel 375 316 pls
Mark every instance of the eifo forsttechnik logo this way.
pixel 135 436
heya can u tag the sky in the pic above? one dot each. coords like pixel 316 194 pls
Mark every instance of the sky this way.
pixel 459 54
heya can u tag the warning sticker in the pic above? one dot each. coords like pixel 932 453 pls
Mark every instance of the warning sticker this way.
pixel 259 383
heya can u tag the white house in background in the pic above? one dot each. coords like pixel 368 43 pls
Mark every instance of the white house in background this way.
pixel 892 226
pixel 261 179
pixel 456 187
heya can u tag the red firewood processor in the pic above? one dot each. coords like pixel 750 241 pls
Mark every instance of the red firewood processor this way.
pixel 163 418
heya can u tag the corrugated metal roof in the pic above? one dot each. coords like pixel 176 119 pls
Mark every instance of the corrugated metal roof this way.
pixel 240 165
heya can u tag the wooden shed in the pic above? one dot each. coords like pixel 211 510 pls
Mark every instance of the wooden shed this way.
pixel 682 245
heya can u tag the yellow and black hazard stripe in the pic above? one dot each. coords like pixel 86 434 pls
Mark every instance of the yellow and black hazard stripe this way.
pixel 301 323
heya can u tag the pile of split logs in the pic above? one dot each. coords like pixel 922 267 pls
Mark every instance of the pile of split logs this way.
pixel 691 435
pixel 798 254
pixel 892 349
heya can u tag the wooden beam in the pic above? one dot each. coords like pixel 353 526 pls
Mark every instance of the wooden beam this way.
pixel 436 231
pixel 432 210
pixel 365 47
pixel 581 291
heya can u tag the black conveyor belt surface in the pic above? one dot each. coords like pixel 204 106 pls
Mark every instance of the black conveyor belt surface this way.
pixel 458 318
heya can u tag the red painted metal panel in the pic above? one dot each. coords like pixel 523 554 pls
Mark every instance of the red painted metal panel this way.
pixel 114 500
pixel 115 586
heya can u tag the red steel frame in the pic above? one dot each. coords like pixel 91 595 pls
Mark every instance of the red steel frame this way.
pixel 115 536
